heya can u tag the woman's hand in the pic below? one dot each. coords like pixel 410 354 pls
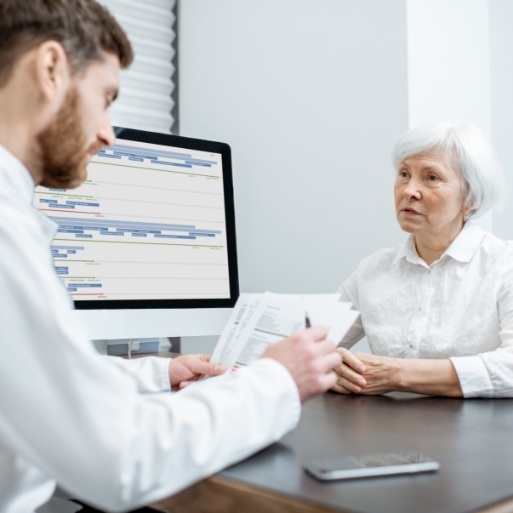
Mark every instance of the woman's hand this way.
pixel 369 374
pixel 183 370
pixel 379 373
pixel 349 373
pixel 364 373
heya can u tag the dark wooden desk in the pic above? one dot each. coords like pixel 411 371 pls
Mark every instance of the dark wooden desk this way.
pixel 472 440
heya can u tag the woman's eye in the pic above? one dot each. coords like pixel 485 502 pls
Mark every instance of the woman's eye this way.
pixel 433 178
pixel 403 174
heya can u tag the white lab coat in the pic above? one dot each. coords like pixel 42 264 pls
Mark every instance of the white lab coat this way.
pixel 97 427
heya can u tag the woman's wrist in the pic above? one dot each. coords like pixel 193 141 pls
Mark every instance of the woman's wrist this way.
pixel 399 374
pixel 433 377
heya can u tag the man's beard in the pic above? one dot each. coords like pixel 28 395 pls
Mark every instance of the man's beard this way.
pixel 63 147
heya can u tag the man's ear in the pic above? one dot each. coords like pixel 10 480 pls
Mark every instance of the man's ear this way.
pixel 53 73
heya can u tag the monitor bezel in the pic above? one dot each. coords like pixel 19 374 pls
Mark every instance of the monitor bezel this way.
pixel 132 134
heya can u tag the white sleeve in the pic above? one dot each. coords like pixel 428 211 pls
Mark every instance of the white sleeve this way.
pixel 490 374
pixel 151 372
pixel 83 421
pixel 487 374
pixel 473 376
pixel 349 292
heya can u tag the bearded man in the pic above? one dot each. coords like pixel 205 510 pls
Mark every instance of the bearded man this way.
pixel 110 432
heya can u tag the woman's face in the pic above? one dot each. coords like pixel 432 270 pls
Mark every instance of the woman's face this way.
pixel 429 197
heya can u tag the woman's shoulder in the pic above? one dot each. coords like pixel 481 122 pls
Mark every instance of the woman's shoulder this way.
pixel 383 257
pixel 494 246
pixel 496 253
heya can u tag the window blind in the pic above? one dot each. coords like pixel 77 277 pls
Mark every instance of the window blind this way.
pixel 146 101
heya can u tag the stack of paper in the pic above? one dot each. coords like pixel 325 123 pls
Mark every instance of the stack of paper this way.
pixel 259 320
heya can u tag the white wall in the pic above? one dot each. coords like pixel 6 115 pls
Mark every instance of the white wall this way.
pixel 312 96
pixel 448 61
pixel 449 65
pixel 460 68
pixel 501 51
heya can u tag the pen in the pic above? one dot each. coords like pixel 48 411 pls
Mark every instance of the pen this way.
pixel 308 324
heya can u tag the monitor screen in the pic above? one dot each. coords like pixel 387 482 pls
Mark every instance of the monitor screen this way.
pixel 151 228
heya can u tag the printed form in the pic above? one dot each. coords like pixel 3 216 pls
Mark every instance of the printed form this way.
pixel 259 320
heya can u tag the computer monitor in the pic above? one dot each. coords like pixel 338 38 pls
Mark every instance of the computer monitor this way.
pixel 146 245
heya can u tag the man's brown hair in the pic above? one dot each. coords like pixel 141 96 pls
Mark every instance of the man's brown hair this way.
pixel 84 28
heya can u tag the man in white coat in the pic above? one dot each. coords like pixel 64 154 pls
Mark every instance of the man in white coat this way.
pixel 102 428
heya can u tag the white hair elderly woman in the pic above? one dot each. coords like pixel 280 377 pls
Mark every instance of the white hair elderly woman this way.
pixel 437 310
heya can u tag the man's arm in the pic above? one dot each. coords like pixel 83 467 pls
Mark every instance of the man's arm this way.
pixel 106 443
pixel 155 374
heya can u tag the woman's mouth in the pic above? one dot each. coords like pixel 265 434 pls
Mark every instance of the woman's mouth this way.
pixel 410 212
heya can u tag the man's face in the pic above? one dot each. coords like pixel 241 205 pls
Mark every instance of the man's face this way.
pixel 81 126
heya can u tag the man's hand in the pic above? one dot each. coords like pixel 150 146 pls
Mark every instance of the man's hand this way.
pixel 183 370
pixel 310 358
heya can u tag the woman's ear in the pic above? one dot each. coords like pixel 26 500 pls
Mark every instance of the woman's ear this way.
pixel 466 211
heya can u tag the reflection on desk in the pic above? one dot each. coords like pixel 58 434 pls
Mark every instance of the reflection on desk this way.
pixel 472 440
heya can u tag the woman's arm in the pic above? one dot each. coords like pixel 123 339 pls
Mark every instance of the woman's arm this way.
pixel 370 374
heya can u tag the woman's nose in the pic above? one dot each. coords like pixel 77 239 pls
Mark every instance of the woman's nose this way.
pixel 412 190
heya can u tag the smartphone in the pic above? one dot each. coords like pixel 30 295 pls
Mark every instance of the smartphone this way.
pixel 370 465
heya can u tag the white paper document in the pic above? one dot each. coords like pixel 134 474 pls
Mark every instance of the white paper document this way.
pixel 259 320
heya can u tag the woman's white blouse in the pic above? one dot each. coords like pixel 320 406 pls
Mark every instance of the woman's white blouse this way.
pixel 460 307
